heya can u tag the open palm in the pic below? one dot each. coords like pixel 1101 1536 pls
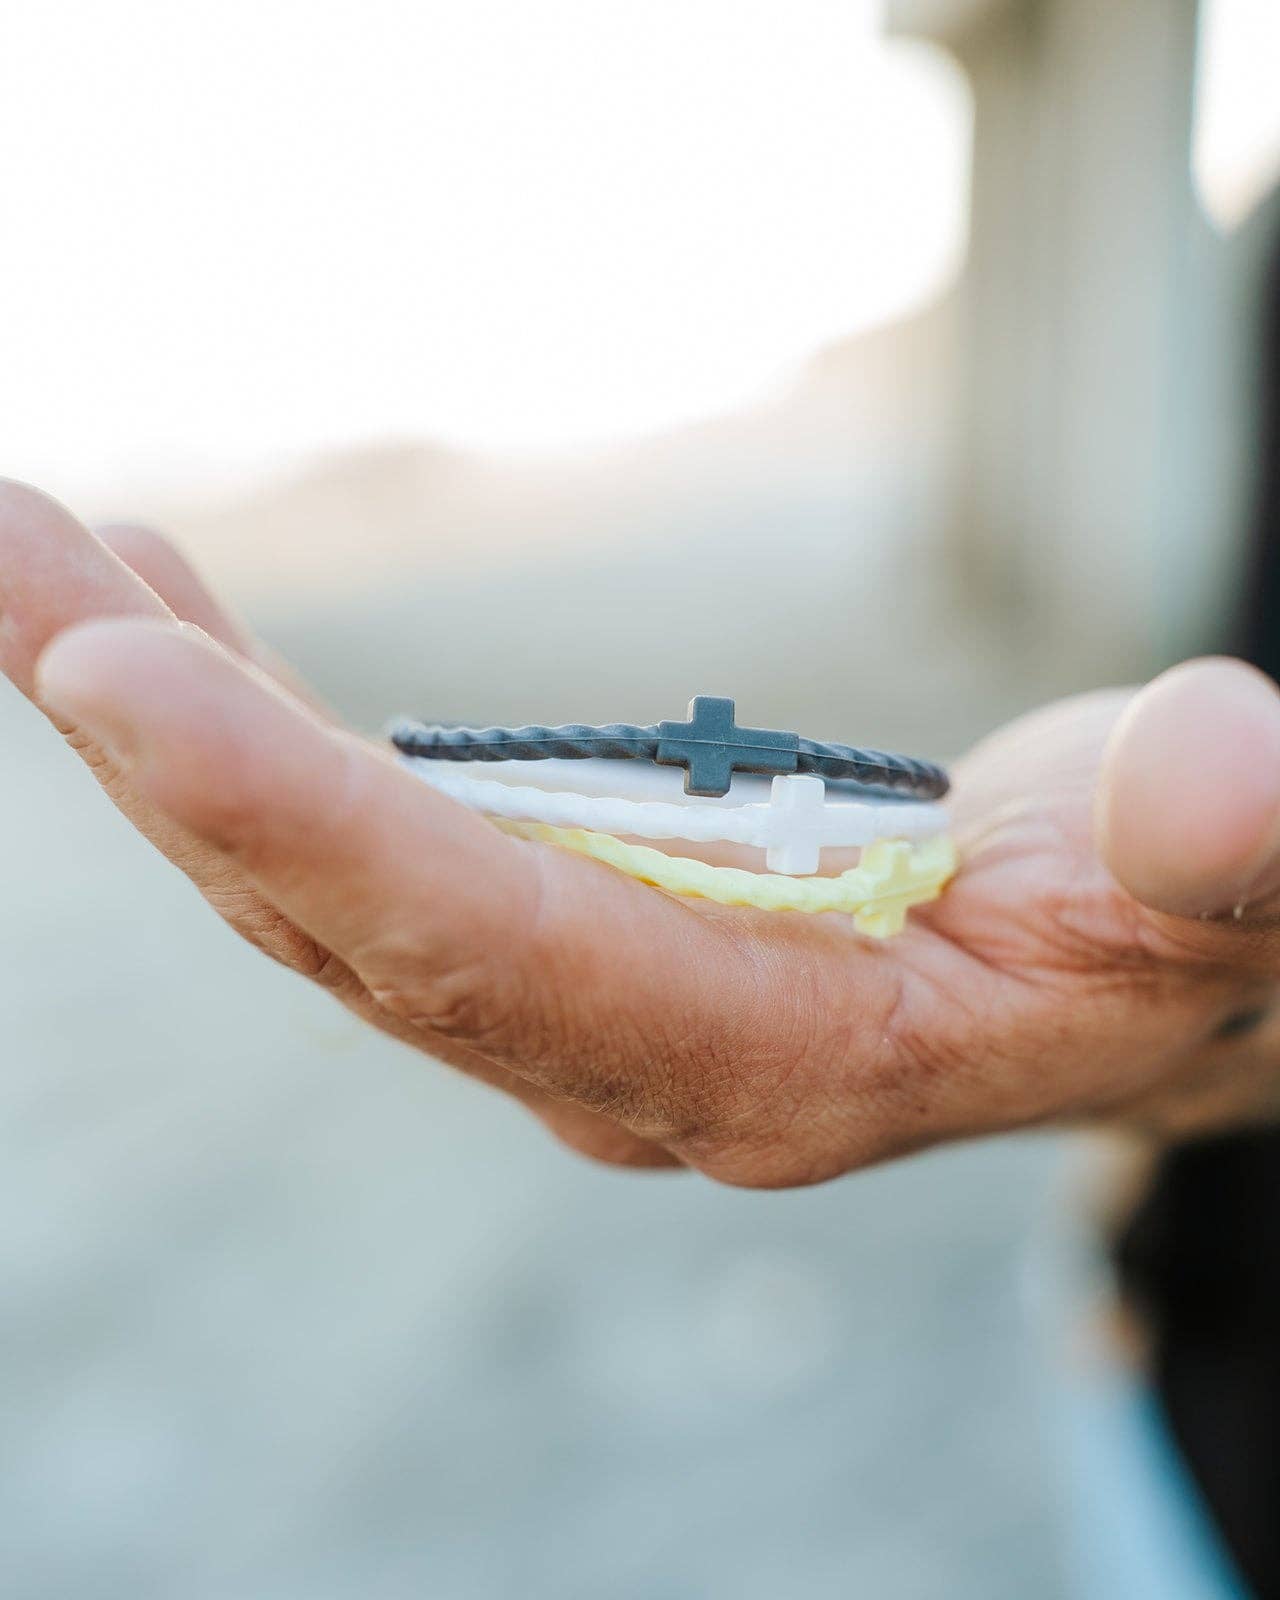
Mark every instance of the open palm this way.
pixel 1105 954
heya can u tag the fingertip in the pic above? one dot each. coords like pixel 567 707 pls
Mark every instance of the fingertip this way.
pixel 54 573
pixel 90 672
pixel 1188 807
pixel 20 502
pixel 209 740
pixel 331 829
pixel 142 549
pixel 163 567
pixel 36 533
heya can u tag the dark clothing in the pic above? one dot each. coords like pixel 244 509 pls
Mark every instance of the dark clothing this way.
pixel 1201 1257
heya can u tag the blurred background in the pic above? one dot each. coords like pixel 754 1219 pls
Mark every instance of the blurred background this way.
pixel 890 368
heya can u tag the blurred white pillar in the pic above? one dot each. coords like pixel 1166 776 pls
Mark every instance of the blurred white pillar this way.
pixel 1102 412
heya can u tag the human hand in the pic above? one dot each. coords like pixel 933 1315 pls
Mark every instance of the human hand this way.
pixel 1087 966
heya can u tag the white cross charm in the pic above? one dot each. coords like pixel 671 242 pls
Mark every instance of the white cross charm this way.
pixel 797 825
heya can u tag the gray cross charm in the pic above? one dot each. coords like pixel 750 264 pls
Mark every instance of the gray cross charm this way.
pixel 711 748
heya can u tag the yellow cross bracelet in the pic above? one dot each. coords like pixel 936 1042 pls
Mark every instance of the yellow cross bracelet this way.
pixel 891 876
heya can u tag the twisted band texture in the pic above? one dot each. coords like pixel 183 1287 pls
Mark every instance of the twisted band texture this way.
pixel 709 746
pixel 793 827
pixel 891 878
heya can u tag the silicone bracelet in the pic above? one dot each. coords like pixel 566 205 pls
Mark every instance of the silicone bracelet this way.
pixel 642 780
pixel 892 877
pixel 709 746
pixel 792 828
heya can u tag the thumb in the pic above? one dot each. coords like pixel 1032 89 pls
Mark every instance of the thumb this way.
pixel 1188 806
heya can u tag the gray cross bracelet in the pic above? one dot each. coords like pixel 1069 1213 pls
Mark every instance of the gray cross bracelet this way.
pixel 709 746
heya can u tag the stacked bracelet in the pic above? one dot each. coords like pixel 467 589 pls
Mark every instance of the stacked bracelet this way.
pixel 891 878
pixel 793 828
pixel 881 806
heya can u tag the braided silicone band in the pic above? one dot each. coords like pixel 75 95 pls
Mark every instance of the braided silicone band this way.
pixel 892 877
pixel 793 828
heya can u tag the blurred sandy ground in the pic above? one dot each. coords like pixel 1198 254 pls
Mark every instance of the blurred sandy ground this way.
pixel 289 1312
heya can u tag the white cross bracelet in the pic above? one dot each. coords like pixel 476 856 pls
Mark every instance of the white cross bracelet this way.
pixel 793 827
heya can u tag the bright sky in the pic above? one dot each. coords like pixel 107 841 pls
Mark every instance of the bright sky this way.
pixel 242 229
